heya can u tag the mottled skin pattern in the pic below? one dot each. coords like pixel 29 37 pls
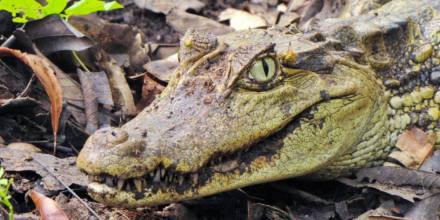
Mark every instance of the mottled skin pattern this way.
pixel 341 95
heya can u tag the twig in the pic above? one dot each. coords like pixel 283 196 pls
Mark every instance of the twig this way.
pixel 8 42
pixel 69 189
pixel 28 86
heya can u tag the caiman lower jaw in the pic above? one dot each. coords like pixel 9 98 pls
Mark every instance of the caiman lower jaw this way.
pixel 136 192
pixel 224 172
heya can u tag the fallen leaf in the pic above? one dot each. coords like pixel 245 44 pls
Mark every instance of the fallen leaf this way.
pixel 90 101
pixel 383 212
pixel 64 168
pixel 161 6
pixel 150 90
pixel 399 176
pixel 23 147
pixel 48 79
pixel 405 192
pixel 53 34
pixel 182 21
pixel 417 144
pixel 101 87
pixel 242 20
pixel 425 209
pixel 116 38
pixel 432 164
pixel 48 208
pixel 163 69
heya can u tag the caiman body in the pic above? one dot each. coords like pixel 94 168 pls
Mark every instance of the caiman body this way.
pixel 263 105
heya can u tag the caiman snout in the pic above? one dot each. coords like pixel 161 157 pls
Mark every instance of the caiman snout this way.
pixel 114 136
pixel 117 147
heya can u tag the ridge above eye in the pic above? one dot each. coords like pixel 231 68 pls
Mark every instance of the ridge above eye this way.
pixel 262 70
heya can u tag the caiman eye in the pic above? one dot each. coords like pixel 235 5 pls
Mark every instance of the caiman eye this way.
pixel 263 70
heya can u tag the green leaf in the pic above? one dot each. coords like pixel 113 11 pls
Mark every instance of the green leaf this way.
pixel 24 8
pixel 2 171
pixel 8 6
pixel 112 6
pixel 85 7
pixel 29 8
pixel 54 7
pixel 19 20
pixel 3 182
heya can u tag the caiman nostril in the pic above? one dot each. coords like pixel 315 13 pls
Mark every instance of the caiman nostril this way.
pixel 116 136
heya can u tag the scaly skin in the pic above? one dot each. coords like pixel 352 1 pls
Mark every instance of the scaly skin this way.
pixel 340 96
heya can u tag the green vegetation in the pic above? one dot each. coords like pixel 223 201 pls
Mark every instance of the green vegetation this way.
pixel 4 193
pixel 25 10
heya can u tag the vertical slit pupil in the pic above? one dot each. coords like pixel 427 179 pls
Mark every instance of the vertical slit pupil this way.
pixel 265 67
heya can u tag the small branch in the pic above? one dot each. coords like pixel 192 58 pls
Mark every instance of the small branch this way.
pixel 69 189
pixel 28 86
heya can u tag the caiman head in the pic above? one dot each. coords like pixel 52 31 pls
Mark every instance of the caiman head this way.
pixel 241 109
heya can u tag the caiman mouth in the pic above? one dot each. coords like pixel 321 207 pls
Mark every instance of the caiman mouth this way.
pixel 284 145
pixel 168 180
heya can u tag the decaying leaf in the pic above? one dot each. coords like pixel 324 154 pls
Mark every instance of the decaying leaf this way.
pixel 242 20
pixel 48 79
pixel 415 144
pixel 182 21
pixel 163 69
pixel 160 6
pixel 48 208
pixel 52 34
pixel 399 176
pixel 433 163
pixel 90 102
pixel 425 209
pixel 150 90
pixel 115 38
pixel 64 168
pixel 405 192
pixel 23 147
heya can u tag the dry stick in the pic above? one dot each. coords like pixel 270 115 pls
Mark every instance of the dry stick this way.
pixel 69 189
pixel 28 86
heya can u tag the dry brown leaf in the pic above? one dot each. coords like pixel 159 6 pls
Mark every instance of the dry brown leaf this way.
pixel 150 90
pixel 90 101
pixel 48 208
pixel 242 20
pixel 46 76
pixel 182 21
pixel 163 69
pixel 416 144
pixel 22 146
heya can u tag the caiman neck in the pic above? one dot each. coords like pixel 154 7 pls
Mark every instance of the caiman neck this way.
pixel 410 71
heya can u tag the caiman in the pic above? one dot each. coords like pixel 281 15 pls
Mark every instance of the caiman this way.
pixel 257 106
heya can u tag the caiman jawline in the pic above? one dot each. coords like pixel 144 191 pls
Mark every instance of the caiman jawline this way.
pixel 168 180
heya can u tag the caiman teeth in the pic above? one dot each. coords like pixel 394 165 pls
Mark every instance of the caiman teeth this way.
pixel 156 177
pixel 169 179
pixel 109 181
pixel 120 184
pixel 138 184
pixel 162 173
pixel 195 178
pixel 181 179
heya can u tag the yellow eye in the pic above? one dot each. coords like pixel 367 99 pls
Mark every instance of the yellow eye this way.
pixel 263 70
